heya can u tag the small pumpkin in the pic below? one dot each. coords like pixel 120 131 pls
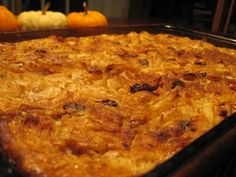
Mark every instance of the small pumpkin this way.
pixel 7 20
pixel 38 20
pixel 88 18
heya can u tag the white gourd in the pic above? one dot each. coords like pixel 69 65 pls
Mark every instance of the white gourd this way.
pixel 36 20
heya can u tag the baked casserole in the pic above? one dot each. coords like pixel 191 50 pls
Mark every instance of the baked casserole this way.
pixel 109 105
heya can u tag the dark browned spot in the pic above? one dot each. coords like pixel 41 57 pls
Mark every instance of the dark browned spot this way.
pixel 73 107
pixel 136 123
pixel 150 145
pixel 180 53
pixel 31 121
pixel 78 148
pixel 60 39
pixel 233 87
pixel 171 48
pixel 202 74
pixel 41 51
pixel 143 62
pixel 223 113
pixel 177 83
pixel 162 136
pixel 3 74
pixel 44 70
pixel 142 87
pixel 125 54
pixel 171 59
pixel 27 108
pixel 9 115
pixel 167 133
pixel 125 145
pixel 198 55
pixel 109 67
pixel 214 78
pixel 200 62
pixel 193 129
pixel 189 76
pixel 183 124
pixel 131 55
pixel 121 53
pixel 232 84
pixel 108 102
pixel 73 147
pixel 94 69
pixel 115 42
pixel 57 116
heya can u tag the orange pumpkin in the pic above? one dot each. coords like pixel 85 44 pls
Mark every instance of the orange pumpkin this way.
pixel 88 18
pixel 7 20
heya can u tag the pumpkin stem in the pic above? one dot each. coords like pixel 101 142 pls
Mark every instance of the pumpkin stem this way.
pixel 85 6
pixel 45 8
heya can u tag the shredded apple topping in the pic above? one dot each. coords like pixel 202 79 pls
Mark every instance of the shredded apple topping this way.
pixel 109 105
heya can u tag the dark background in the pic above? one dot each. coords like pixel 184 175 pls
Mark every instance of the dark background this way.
pixel 57 5
pixel 195 13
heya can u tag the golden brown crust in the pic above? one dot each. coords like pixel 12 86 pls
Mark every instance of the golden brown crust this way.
pixel 109 105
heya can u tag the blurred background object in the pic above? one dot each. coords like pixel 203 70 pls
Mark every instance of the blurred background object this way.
pixel 211 15
pixel 111 8
pixel 64 6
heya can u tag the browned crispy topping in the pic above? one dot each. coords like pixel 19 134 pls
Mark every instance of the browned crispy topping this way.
pixel 91 106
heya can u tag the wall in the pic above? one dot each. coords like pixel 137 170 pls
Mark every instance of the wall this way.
pixel 111 8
